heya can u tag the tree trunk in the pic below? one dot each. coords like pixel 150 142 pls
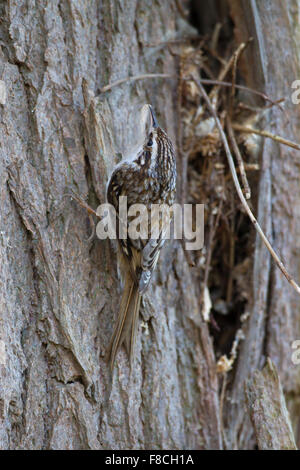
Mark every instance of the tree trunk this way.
pixel 59 290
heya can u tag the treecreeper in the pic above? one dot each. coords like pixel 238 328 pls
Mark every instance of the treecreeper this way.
pixel 147 177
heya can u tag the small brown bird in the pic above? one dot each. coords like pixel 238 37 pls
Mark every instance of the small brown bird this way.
pixel 148 177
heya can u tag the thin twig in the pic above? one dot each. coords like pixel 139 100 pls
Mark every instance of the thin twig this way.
pixel 214 93
pixel 213 96
pixel 236 57
pixel 181 10
pixel 183 155
pixel 231 252
pixel 173 41
pixel 239 158
pixel 277 138
pixel 215 36
pixel 239 189
pixel 205 81
pixel 222 399
pixel 81 202
pixel 212 232
pixel 224 365
pixel 256 110
pixel 248 166
pixel 132 79
pixel 85 206
pixel 234 144
pixel 214 54
pixel 252 166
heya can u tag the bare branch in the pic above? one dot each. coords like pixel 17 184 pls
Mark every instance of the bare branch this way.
pixel 247 190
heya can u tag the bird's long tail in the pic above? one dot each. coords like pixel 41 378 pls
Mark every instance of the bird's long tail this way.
pixel 127 322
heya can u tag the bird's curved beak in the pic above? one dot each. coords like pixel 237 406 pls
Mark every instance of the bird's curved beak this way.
pixel 153 117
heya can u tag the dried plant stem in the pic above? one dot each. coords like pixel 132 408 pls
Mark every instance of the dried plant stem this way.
pixel 235 147
pixel 277 138
pixel 239 189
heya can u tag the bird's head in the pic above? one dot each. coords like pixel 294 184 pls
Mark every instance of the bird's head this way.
pixel 156 142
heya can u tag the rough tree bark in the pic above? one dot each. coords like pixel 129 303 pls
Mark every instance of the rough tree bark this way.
pixel 59 292
pixel 268 411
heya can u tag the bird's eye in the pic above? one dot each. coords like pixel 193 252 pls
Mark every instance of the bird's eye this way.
pixel 150 142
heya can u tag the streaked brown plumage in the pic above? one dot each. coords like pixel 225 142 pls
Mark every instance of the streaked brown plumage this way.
pixel 147 178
